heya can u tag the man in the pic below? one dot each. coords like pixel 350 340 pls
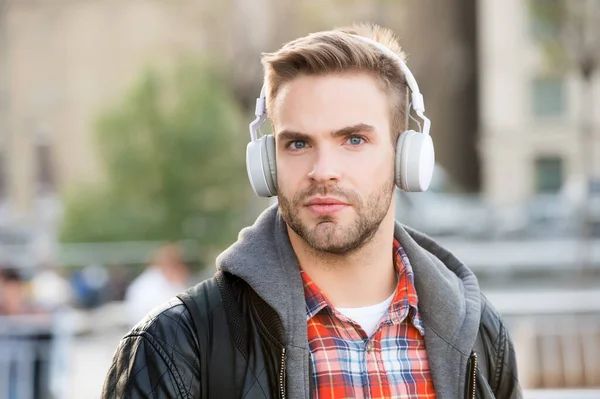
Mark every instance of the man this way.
pixel 165 277
pixel 326 296
pixel 14 298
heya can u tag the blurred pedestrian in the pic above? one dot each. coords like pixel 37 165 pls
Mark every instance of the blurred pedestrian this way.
pixel 49 289
pixel 15 298
pixel 164 278
pixel 326 296
pixel 89 285
pixel 118 282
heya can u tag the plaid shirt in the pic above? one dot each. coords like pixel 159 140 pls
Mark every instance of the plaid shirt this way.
pixel 392 363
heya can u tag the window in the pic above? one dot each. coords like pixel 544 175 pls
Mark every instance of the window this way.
pixel 548 96
pixel 548 174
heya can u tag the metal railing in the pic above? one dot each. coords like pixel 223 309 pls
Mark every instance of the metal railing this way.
pixel 32 356
pixel 556 336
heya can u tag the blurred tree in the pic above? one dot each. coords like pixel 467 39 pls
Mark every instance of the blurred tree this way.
pixel 569 34
pixel 173 153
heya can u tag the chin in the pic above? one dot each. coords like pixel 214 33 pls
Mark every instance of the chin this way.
pixel 331 233
pixel 330 225
pixel 335 245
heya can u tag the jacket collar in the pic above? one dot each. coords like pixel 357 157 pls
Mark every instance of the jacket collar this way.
pixel 449 299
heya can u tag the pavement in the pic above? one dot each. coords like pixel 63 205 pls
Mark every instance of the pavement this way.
pixel 90 357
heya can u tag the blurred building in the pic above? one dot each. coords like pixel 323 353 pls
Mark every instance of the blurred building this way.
pixel 532 105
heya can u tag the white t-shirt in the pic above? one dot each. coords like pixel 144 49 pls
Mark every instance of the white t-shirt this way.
pixel 368 317
pixel 149 290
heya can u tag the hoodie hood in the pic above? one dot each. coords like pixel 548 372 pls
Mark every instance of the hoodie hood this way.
pixel 449 298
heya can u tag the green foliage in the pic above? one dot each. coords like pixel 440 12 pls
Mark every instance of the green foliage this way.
pixel 173 153
pixel 547 17
pixel 548 20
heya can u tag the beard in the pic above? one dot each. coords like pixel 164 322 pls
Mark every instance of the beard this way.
pixel 329 236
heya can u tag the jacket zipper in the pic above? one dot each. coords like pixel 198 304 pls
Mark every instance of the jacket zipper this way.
pixel 473 381
pixel 282 375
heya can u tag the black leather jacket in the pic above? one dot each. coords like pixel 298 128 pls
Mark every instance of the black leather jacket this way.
pixel 233 347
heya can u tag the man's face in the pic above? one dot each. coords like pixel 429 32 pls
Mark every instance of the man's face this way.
pixel 335 159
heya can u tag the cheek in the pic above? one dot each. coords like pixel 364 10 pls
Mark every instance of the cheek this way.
pixel 290 173
pixel 372 179
pixel 371 166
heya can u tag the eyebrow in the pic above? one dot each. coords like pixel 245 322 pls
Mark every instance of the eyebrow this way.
pixel 350 130
pixel 287 135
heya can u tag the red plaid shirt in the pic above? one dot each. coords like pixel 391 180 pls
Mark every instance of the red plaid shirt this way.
pixel 392 363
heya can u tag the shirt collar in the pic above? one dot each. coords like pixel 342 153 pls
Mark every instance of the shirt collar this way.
pixel 404 304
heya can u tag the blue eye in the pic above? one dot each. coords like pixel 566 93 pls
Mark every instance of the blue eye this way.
pixel 355 140
pixel 298 145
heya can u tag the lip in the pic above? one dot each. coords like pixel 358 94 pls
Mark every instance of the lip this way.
pixel 325 201
pixel 326 206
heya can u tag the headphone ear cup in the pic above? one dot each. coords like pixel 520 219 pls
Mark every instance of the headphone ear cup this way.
pixel 270 153
pixel 258 163
pixel 399 168
pixel 415 160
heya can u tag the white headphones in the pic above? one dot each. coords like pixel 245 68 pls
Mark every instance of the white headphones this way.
pixel 415 157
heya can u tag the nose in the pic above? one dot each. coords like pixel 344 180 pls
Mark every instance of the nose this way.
pixel 325 169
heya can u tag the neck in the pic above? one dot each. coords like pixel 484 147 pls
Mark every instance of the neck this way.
pixel 362 278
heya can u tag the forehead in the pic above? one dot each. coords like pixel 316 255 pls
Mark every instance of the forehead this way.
pixel 315 104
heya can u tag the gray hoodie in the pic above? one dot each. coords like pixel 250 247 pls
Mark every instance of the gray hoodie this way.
pixel 449 299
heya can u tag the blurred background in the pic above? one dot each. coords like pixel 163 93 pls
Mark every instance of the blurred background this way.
pixel 123 128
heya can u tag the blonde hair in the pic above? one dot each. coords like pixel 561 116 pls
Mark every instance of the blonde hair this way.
pixel 335 51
